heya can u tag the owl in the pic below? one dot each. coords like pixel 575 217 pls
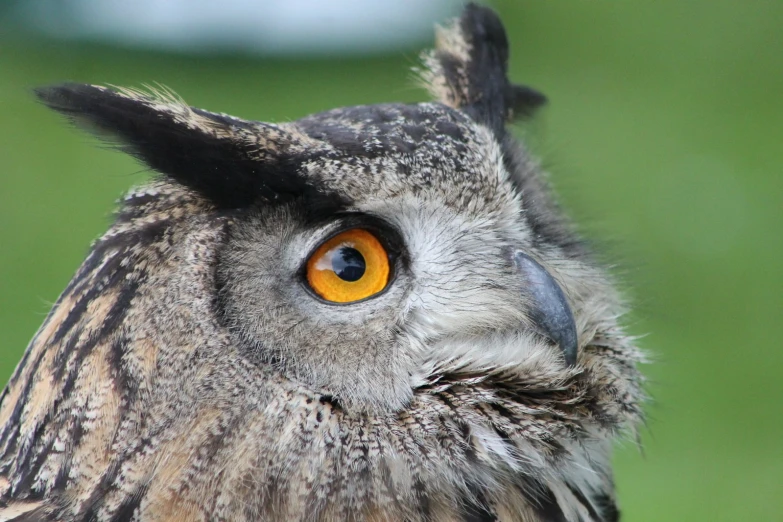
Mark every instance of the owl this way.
pixel 374 313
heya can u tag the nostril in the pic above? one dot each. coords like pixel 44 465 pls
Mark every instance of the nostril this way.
pixel 549 307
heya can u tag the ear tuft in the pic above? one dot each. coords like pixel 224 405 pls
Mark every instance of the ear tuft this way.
pixel 467 70
pixel 230 161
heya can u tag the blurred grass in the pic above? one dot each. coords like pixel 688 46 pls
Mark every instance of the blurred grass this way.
pixel 664 136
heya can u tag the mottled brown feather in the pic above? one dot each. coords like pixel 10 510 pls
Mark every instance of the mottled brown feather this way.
pixel 150 394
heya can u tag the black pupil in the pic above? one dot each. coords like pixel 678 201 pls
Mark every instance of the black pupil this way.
pixel 348 263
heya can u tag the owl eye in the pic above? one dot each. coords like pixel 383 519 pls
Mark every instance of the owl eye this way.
pixel 351 266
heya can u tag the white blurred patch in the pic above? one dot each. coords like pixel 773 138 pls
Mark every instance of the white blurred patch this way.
pixel 267 26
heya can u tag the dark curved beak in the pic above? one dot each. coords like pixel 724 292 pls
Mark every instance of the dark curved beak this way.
pixel 549 307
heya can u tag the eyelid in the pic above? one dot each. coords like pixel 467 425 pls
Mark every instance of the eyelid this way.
pixel 389 237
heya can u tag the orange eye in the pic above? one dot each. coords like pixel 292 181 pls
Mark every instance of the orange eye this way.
pixel 351 266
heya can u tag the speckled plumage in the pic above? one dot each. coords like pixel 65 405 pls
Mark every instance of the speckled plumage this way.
pixel 186 373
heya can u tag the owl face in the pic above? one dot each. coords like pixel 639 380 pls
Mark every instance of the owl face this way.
pixel 431 188
pixel 372 313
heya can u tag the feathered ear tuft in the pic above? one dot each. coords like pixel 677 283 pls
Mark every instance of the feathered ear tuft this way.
pixel 230 161
pixel 467 70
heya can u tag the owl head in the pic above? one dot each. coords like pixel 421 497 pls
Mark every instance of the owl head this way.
pixel 374 311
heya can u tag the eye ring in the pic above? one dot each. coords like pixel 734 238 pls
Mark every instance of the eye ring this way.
pixel 351 266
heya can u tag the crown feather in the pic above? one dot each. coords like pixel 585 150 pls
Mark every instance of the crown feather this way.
pixel 467 70
pixel 232 162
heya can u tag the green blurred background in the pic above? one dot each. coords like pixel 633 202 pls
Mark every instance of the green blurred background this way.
pixel 664 136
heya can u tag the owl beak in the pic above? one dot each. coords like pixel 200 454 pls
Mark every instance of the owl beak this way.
pixel 549 307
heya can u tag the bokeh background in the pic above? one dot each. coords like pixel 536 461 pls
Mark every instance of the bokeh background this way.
pixel 664 137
